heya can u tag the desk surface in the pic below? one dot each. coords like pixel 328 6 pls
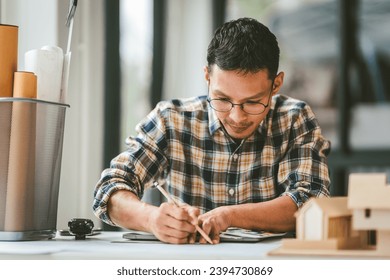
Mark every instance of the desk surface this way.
pixel 111 245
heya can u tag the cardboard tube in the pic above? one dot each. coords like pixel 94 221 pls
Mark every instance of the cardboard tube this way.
pixel 21 165
pixel 25 85
pixel 8 65
pixel 5 134
pixel 8 58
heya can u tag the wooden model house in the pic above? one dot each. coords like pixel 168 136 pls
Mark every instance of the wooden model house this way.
pixel 341 225
pixel 369 200
pixel 326 223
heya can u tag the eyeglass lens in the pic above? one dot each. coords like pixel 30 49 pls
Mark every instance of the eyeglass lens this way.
pixel 248 107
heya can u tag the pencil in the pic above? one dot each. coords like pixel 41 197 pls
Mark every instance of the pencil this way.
pixel 170 199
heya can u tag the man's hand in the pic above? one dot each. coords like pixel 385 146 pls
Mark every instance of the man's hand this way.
pixel 273 215
pixel 173 224
pixel 169 223
pixel 214 222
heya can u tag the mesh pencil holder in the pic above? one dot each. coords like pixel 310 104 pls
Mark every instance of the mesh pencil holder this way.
pixel 31 140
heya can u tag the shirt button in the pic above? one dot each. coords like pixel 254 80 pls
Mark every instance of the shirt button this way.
pixel 235 157
pixel 231 191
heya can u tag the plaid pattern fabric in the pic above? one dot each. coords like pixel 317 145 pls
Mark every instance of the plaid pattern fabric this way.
pixel 182 144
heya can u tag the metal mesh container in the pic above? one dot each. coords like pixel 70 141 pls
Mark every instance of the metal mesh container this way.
pixel 31 140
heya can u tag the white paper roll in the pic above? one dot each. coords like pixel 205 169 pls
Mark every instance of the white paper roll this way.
pixel 47 64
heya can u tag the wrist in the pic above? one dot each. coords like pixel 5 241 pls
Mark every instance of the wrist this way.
pixel 228 217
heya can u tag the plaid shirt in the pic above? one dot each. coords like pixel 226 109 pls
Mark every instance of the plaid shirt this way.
pixel 183 144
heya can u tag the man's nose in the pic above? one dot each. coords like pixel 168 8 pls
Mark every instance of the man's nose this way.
pixel 237 114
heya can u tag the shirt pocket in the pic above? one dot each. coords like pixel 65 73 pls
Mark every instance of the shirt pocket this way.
pixel 258 185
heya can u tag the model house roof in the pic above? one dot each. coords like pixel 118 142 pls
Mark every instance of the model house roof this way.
pixel 330 206
pixel 368 191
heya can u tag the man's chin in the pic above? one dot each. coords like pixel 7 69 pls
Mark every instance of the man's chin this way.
pixel 239 135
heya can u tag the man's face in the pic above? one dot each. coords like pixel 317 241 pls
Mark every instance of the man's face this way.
pixel 239 88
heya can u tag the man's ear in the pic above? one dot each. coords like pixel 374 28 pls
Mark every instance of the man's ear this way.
pixel 278 82
pixel 206 74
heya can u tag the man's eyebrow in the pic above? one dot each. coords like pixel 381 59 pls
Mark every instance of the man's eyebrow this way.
pixel 260 95
pixel 220 93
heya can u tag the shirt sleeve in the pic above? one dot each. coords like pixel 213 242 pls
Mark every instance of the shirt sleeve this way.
pixel 303 171
pixel 135 169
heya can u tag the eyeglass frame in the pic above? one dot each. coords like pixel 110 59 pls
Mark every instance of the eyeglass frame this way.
pixel 242 104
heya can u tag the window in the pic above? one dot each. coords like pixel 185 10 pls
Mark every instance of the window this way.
pixel 136 34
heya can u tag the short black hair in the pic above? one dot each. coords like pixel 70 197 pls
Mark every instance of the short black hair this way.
pixel 245 45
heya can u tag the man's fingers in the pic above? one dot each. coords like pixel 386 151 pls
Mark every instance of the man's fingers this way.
pixel 179 218
pixel 173 224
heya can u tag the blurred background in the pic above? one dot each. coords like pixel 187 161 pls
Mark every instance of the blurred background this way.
pixel 129 54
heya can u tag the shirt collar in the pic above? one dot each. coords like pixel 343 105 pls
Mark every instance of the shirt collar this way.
pixel 214 123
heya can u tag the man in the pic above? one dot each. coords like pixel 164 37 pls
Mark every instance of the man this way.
pixel 243 156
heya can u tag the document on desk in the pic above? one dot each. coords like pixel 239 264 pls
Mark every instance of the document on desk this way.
pixel 232 234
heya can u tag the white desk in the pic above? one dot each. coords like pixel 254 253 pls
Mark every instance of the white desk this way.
pixel 101 257
pixel 105 246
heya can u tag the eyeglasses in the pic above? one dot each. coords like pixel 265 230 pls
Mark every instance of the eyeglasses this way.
pixel 249 107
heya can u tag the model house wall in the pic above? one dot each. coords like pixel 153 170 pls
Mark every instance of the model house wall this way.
pixel 322 218
pixel 369 199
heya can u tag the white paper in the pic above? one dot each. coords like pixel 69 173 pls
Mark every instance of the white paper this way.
pixel 47 64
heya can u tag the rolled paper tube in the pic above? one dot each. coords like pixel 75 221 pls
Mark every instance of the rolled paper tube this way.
pixel 8 65
pixel 8 58
pixel 47 64
pixel 21 164
pixel 25 85
pixel 5 134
